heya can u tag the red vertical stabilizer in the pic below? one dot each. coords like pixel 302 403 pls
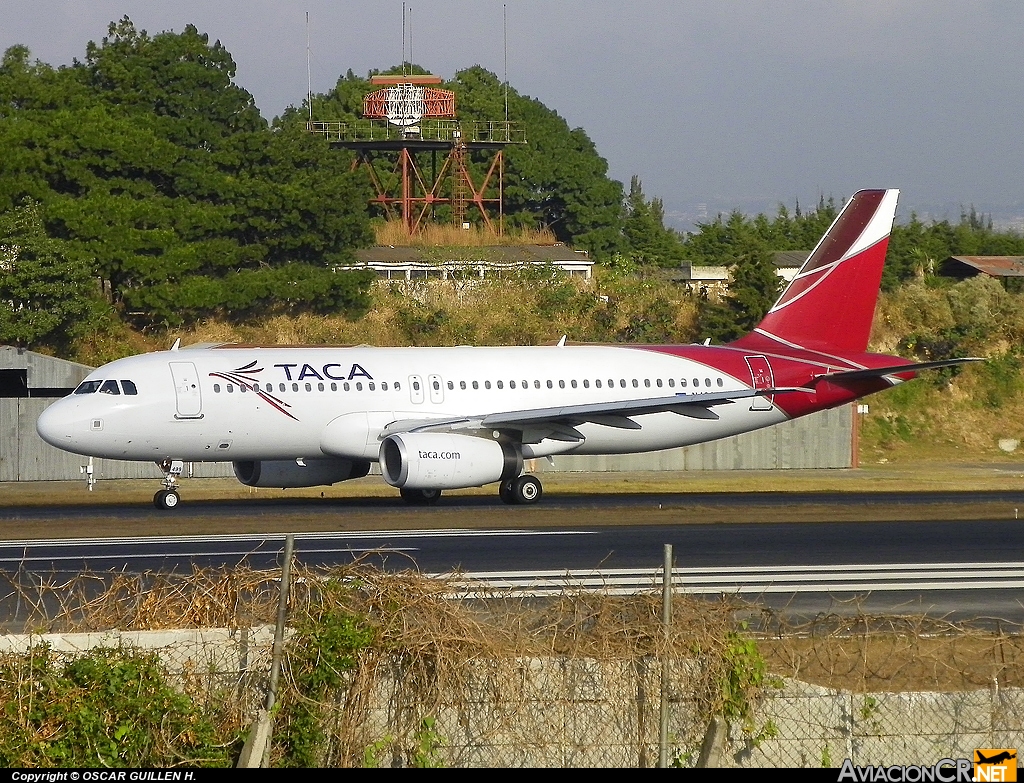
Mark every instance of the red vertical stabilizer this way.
pixel 830 303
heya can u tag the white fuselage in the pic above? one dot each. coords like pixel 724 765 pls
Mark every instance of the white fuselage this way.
pixel 200 405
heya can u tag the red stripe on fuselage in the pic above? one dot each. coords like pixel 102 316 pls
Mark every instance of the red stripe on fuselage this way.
pixel 791 368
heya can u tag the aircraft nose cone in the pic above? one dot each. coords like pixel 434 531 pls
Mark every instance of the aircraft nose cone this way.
pixel 54 425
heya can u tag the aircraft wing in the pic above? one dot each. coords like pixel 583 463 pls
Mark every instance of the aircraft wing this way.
pixel 559 423
pixel 878 372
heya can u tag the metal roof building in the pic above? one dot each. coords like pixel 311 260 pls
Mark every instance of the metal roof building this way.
pixel 1001 267
pixel 416 263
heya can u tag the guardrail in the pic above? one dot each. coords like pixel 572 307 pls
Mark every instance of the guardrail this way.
pixel 449 131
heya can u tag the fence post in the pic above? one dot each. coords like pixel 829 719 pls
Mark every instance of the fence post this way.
pixel 256 750
pixel 666 622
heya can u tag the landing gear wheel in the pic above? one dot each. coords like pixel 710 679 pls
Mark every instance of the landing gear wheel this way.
pixel 527 490
pixel 420 497
pixel 166 499
pixel 506 492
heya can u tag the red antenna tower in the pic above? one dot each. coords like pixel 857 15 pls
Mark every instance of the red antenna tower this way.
pixel 406 124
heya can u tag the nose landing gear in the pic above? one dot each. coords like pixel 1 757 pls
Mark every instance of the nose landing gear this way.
pixel 167 498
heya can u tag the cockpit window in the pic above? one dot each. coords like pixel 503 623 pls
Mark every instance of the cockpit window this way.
pixel 109 387
pixel 88 387
pixel 129 387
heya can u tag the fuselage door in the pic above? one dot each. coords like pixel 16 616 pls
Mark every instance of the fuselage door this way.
pixel 436 389
pixel 416 389
pixel 187 396
pixel 761 378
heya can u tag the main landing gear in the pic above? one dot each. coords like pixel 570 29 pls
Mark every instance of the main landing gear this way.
pixel 523 491
pixel 167 498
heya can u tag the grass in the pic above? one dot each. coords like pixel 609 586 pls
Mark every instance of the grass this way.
pixel 394 233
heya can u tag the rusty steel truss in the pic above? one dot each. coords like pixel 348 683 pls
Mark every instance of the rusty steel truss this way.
pixel 403 165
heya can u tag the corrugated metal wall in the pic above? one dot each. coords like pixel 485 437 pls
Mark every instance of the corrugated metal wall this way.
pixel 823 440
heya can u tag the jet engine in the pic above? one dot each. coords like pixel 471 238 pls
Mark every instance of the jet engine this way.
pixel 285 474
pixel 441 460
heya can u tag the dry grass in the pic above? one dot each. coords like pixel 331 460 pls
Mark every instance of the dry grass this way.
pixel 394 233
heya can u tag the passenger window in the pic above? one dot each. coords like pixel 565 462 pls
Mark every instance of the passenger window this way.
pixel 437 386
pixel 696 382
pixel 216 388
pixel 707 382
pixel 720 382
pixel 451 386
pixel 309 387
pixel 334 387
pixel 371 386
pixel 398 386
pixel 500 384
pixel 561 384
pixel 597 383
pixel 658 382
pixel 462 385
pixel 636 383
pixel 573 384
pixel 243 388
pixel 88 387
pixel 346 386
pixel 384 386
pixel 109 387
pixel 487 384
pixel 549 385
pixel 647 382
pixel 129 387
pixel 511 384
pixel 230 388
pixel 682 382
pixel 319 387
pixel 359 385
pixel 622 382
pixel 295 387
pixel 536 384
pixel 476 384
pixel 526 384
pixel 611 383
pixel 415 385
pixel 281 387
pixel 672 382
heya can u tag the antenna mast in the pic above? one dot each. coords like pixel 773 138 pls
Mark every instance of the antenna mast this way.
pixel 309 77
pixel 504 35
pixel 403 39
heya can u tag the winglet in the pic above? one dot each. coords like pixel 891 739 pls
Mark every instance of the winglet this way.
pixel 561 343
pixel 177 344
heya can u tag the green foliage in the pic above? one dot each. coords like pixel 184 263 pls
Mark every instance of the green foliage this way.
pixel 46 297
pixel 753 288
pixel 162 178
pixel 427 742
pixel 110 707
pixel 744 678
pixel 324 649
pixel 644 229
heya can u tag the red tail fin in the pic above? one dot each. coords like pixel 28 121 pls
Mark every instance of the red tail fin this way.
pixel 831 301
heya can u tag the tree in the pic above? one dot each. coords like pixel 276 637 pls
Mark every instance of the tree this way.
pixel 644 229
pixel 46 298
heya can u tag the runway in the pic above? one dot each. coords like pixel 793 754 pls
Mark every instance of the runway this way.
pixel 948 568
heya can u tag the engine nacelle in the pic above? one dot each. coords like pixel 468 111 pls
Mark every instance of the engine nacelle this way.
pixel 440 460
pixel 285 474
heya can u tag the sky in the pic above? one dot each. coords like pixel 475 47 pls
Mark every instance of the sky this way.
pixel 717 104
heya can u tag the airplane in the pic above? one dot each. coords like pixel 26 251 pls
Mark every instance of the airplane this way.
pixel 449 418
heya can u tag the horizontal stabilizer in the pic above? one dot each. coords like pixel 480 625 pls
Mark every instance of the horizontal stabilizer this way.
pixel 878 372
